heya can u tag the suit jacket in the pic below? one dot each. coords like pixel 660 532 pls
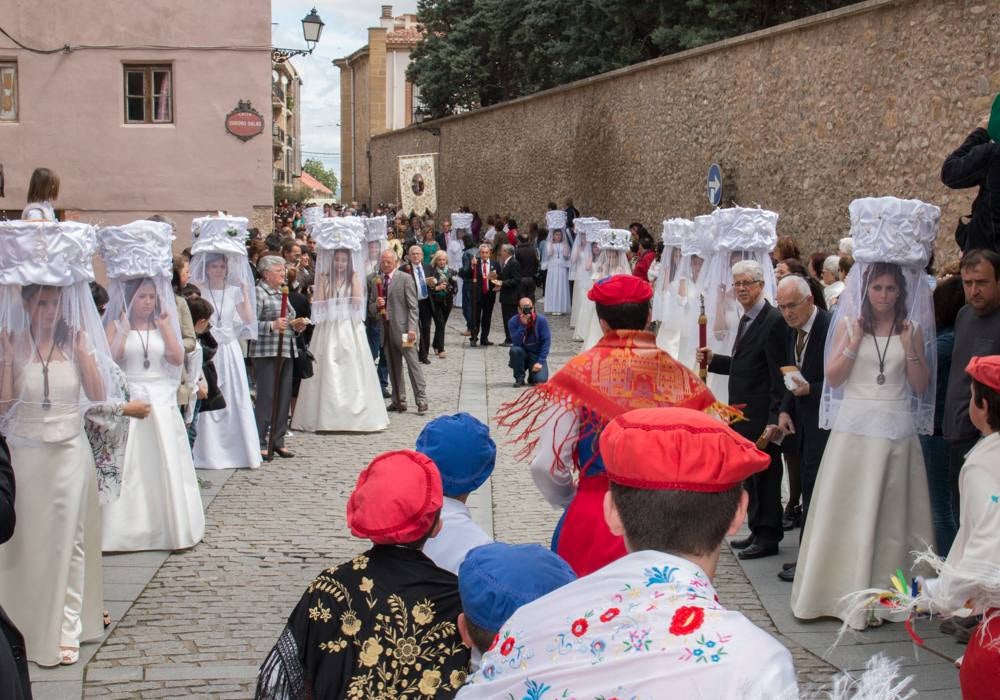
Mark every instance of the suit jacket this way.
pixel 755 371
pixel 401 303
pixel 428 275
pixel 510 277
pixel 477 288
pixel 804 410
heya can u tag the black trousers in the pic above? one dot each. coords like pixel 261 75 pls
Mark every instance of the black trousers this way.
pixel 426 314
pixel 482 315
pixel 507 311
pixel 440 309
pixel 808 471
pixel 264 371
pixel 956 460
pixel 764 514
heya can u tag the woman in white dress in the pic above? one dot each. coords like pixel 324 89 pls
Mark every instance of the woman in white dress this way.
pixel 55 365
pixel 668 283
pixel 343 394
pixel 227 438
pixel 612 260
pixel 580 263
pixel 871 505
pixel 557 253
pixel 160 504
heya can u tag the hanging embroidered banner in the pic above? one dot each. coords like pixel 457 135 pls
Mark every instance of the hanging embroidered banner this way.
pixel 417 185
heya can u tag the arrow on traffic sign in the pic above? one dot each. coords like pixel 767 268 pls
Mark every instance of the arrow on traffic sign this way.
pixel 713 186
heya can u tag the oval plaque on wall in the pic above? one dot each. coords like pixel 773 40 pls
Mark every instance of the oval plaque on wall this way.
pixel 244 122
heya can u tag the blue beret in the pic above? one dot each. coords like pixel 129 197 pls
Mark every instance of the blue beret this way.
pixel 462 449
pixel 498 578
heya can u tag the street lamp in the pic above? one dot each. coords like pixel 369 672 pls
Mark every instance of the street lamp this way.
pixel 312 30
pixel 420 115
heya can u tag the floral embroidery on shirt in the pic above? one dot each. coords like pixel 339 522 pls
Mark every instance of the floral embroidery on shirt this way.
pixel 686 620
pixel 659 574
pixel 709 651
pixel 610 614
pixel 579 627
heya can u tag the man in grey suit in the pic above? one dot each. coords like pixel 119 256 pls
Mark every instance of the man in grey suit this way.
pixel 400 316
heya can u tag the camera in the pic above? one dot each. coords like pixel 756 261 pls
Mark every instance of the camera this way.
pixel 526 309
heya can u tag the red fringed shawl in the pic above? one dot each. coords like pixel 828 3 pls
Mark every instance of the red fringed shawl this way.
pixel 624 371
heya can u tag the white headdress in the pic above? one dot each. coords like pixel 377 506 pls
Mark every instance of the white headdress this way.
pixel 555 218
pixel 613 257
pixel 461 220
pixel 138 258
pixel 311 217
pixel 892 237
pixel 59 365
pixel 339 289
pixel 230 291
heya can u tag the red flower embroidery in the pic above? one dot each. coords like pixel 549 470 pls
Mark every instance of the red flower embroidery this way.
pixel 507 646
pixel 610 614
pixel 579 628
pixel 686 620
pixel 496 639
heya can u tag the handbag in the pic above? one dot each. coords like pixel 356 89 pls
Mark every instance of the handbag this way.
pixel 302 365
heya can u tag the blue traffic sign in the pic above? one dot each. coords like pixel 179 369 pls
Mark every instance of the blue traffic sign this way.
pixel 714 184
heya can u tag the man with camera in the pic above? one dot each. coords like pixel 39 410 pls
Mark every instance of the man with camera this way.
pixel 530 341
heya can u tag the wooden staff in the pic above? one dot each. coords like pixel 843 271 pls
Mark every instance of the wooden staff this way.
pixel 703 339
pixel 278 366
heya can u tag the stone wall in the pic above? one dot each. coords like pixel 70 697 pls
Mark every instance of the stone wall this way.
pixel 803 118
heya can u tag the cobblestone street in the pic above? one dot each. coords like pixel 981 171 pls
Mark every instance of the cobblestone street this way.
pixel 205 620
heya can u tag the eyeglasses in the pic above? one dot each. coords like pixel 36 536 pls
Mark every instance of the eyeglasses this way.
pixel 743 283
pixel 789 307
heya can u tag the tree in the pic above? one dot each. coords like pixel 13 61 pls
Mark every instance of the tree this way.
pixel 476 53
pixel 316 169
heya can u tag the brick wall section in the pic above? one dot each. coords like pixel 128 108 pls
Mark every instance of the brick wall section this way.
pixel 803 118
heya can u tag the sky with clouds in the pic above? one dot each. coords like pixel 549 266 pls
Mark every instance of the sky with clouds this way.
pixel 345 31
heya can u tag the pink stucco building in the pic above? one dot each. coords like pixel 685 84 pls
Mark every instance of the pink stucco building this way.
pixel 133 116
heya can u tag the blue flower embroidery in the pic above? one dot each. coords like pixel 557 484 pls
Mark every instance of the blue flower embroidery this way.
pixel 995 499
pixel 659 575
pixel 535 690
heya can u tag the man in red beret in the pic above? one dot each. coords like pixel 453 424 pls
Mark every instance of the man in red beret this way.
pixel 560 421
pixel 968 578
pixel 385 623
pixel 650 624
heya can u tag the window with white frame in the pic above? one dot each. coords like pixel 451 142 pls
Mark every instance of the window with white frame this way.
pixel 149 94
pixel 8 91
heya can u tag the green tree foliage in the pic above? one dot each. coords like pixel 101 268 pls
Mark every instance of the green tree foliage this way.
pixel 324 175
pixel 480 52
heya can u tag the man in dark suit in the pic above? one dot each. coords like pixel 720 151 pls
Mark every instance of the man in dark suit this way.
pixel 373 330
pixel 807 329
pixel 478 272
pixel 421 272
pixel 508 283
pixel 755 382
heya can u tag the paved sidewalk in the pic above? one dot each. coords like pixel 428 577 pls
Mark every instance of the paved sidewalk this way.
pixel 198 623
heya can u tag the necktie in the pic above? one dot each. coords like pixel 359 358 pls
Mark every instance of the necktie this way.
pixel 800 345
pixel 423 282
pixel 741 329
pixel 486 282
pixel 385 295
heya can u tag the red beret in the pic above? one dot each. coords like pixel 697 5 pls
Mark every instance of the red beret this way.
pixel 620 289
pixel 396 498
pixel 677 449
pixel 985 370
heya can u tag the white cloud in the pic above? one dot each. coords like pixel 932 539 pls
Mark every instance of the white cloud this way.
pixel 345 31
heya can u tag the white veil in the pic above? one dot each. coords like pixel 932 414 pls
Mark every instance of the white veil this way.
pixel 339 289
pixel 580 257
pixel 55 362
pixel 674 232
pixel 221 271
pixel 613 259
pixel 139 259
pixel 741 234
pixel 891 236
pixel 376 241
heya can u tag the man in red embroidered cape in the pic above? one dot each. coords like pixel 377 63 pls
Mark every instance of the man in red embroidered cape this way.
pixel 560 421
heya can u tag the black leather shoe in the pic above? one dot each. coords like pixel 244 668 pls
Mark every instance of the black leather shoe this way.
pixel 421 408
pixel 473 343
pixel 742 544
pixel 792 518
pixel 386 394
pixel 505 344
pixel 484 343
pixel 755 551
pixel 788 565
pixel 787 574
pixel 425 361
pixel 518 383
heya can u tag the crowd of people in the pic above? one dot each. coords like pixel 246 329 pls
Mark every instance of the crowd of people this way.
pixel 715 363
